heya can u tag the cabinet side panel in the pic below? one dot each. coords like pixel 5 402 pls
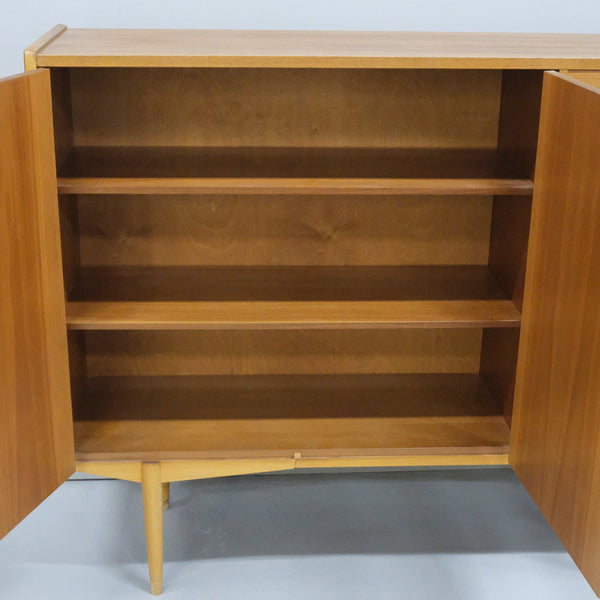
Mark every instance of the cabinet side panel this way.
pixel 508 244
pixel 499 349
pixel 62 113
pixel 36 437
pixel 519 118
pixel 555 448
pixel 70 240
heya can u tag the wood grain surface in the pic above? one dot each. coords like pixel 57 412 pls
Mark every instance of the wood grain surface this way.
pixel 300 185
pixel 284 162
pixel 519 118
pixel 293 314
pixel 509 237
pixel 282 108
pixel 284 170
pixel 202 468
pixel 278 230
pixel 283 414
pixel 151 47
pixel 153 521
pixel 30 53
pixel 555 447
pixel 498 365
pixel 288 298
pixel 589 77
pixel 36 431
pixel 145 353
pixel 62 114
pixel 297 283
pixel 70 236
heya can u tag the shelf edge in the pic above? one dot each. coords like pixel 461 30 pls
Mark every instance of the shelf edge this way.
pixel 292 315
pixel 330 186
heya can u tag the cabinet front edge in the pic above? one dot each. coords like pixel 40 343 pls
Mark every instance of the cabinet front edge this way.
pixel 31 52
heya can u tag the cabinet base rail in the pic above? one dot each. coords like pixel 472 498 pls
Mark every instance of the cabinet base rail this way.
pixel 155 477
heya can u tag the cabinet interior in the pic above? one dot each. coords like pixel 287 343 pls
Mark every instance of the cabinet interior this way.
pixel 260 262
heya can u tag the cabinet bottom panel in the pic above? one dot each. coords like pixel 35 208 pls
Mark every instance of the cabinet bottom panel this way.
pixel 317 416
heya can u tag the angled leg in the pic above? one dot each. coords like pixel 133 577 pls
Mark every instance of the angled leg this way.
pixel 165 495
pixel 152 491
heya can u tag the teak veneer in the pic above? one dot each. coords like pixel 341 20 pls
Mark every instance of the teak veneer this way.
pixel 312 49
pixel 288 171
pixel 242 252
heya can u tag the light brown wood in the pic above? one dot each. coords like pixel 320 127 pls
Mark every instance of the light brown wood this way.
pixel 499 350
pixel 153 518
pixel 36 432
pixel 408 460
pixel 508 244
pixel 286 170
pixel 205 48
pixel 183 470
pixel 70 241
pixel 517 141
pixel 331 283
pixel 279 230
pixel 519 118
pixel 589 77
pixel 292 315
pixel 30 53
pixel 486 437
pixel 300 396
pixel 288 297
pixel 71 262
pixel 77 365
pixel 276 416
pixel 556 426
pixel 62 114
pixel 285 162
pixel 130 470
pixel 244 110
pixel 276 261
pixel 273 352
pixel 148 185
pixel 166 492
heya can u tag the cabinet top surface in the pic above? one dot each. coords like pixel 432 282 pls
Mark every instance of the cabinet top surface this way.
pixel 356 49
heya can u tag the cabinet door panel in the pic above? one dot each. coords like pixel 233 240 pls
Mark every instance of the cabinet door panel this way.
pixel 36 429
pixel 555 445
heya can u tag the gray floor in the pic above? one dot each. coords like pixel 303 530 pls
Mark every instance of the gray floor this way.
pixel 452 534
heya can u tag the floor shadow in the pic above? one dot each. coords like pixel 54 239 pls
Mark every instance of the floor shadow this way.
pixel 471 511
pixel 277 515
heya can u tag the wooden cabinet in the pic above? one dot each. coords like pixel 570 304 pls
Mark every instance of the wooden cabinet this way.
pixel 255 251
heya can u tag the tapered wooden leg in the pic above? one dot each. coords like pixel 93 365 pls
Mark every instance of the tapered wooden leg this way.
pixel 165 495
pixel 152 491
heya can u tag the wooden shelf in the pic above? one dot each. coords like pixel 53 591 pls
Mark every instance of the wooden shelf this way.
pixel 287 283
pixel 280 415
pixel 109 170
pixel 288 298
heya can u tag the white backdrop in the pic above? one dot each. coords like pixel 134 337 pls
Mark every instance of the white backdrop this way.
pixel 22 21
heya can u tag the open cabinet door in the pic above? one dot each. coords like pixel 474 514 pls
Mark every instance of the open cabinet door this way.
pixel 36 426
pixel 555 446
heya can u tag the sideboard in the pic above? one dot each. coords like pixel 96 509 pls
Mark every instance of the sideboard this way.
pixel 228 252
